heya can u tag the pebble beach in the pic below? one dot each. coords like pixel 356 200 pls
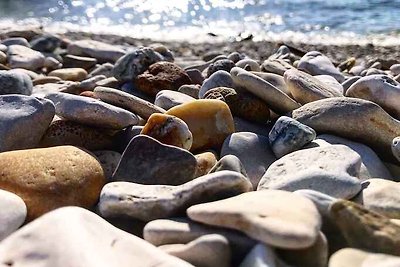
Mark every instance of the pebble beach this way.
pixel 119 151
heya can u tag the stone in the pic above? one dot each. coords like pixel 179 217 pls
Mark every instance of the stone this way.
pixel 229 163
pixel 349 82
pixel 351 118
pixel 23 57
pixel 161 76
pixel 147 161
pixel 294 225
pixel 321 169
pixel 127 101
pixel 91 112
pixel 63 132
pixel 150 202
pixel 223 64
pixel 250 63
pixel 289 135
pixel 199 64
pixel 46 43
pixel 123 137
pixel 365 229
pixel 70 74
pixel 242 125
pixel 62 237
pixel 219 78
pixel 277 66
pixel 50 63
pixel 206 251
pixel 16 41
pixel 277 100
pixel 396 147
pixel 23 121
pixel 71 61
pixel 49 178
pixel 134 63
pixel 190 90
pixel 381 196
pixel 276 80
pixel 105 69
pixel 210 122
pixel 253 151
pixel 109 161
pixel 331 82
pixel 110 82
pixel 196 77
pixel 261 255
pixel 169 130
pixel 45 79
pixel 306 88
pixel 242 104
pixel 316 63
pixel 3 58
pixel 321 201
pixel 395 69
pixel 12 213
pixel 380 89
pixel 360 258
pixel 13 82
pixel 167 99
pixel 90 48
pixel 205 161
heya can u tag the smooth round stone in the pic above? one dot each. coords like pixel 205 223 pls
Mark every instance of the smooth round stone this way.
pixel 349 82
pixel 23 121
pixel 161 76
pixel 62 132
pixel 150 202
pixel 45 79
pixel 261 255
pixel 62 238
pixel 219 78
pixel 321 169
pixel 182 231
pixel 3 48
pixel 70 74
pixel 381 196
pixel 167 99
pixel 103 69
pixel 250 63
pixel 23 57
pixel 223 64
pixel 91 112
pixel 289 135
pixel 209 120
pixel 396 147
pixel 199 64
pixel 351 118
pixel 229 163
pixel 276 80
pixel 168 130
pixel 196 77
pixel 253 151
pixel 306 88
pixel 395 69
pixel 15 82
pixel 134 63
pixel 16 41
pixel 321 201
pixel 50 63
pixel 365 229
pixel 331 82
pixel 360 258
pixel 109 161
pixel 46 43
pixel 90 48
pixel 380 89
pixel 109 82
pixel 277 100
pixel 71 61
pixel 294 225
pixel 205 161
pixel 242 125
pixel 316 63
pixel 190 90
pixel 3 58
pixel 127 101
pixel 148 161
pixel 277 66
pixel 12 213
pixel 283 52
pixel 48 178
pixel 70 87
pixel 206 251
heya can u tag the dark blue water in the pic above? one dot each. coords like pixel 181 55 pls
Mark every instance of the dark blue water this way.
pixel 186 18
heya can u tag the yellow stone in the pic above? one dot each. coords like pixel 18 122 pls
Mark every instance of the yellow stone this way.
pixel 209 120
pixel 205 162
pixel 70 74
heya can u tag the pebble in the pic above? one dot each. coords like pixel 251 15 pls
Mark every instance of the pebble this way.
pixel 229 163
pixel 205 162
pixel 242 125
pixel 3 58
pixel 77 230
pixel 206 251
pixel 250 63
pixel 70 74
pixel 210 122
pixel 71 61
pixel 150 202
pixel 50 63
pixel 321 169
pixel 134 63
pixel 219 78
pixel 395 69
pixel 361 258
pixel 196 77
pixel 380 89
pixel 331 82
pixel 91 112
pixel 261 255
pixel 276 80
pixel 305 88
pixel 105 69
pixel 277 66
pixel 168 130
pixel 253 151
pixel 396 147
pixel 23 121
pixel 167 99
pixel 316 63
pixel 15 82
pixel 190 90
pixel 90 48
pixel 148 161
pixel 48 178
pixel 351 118
pixel 268 220
pixel 223 64
pixel 16 41
pixel 109 161
pixel 277 100
pixel 289 135
pixel 12 213
pixel 349 82
pixel 23 57
pixel 46 43
pixel 127 101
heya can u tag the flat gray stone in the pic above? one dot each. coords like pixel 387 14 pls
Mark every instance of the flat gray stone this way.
pixel 229 163
pixel 167 99
pixel 23 57
pixel 316 63
pixel 15 82
pixel 15 41
pixel 90 48
pixel 150 202
pixel 90 111
pixel 23 121
pixel 321 169
pixel 277 66
pixel 250 63
pixel 12 213
pixel 219 78
pixel 276 80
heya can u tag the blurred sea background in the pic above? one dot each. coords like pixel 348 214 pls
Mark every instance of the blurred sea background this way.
pixel 314 21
